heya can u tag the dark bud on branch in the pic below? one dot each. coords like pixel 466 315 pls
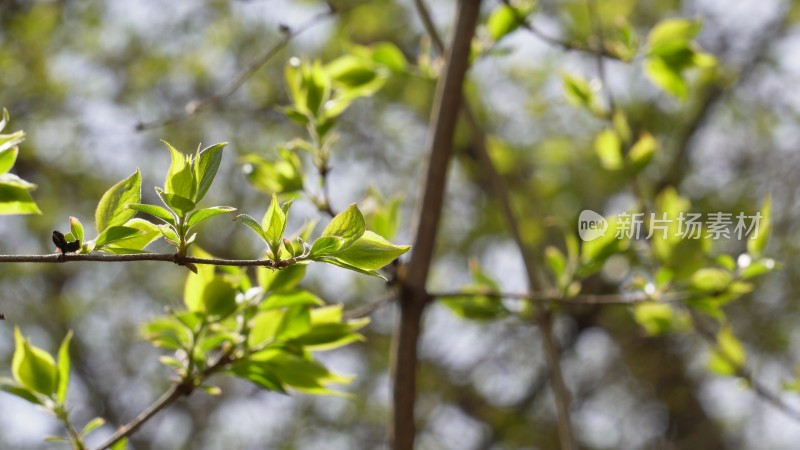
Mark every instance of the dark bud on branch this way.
pixel 63 245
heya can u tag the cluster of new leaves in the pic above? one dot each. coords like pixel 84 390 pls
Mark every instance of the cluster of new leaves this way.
pixel 345 241
pixel 673 278
pixel 264 333
pixel 319 95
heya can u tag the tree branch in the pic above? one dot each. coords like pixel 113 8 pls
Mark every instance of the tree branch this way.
pixel 196 106
pixel 556 298
pixel 164 257
pixel 564 45
pixel 763 392
pixel 413 297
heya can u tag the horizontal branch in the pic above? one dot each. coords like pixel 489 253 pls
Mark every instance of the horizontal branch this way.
pixel 164 257
pixel 605 299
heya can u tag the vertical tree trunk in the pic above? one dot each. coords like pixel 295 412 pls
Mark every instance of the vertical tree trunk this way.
pixel 413 296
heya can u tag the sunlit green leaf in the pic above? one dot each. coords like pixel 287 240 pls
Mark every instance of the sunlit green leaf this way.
pixel 33 367
pixel 112 209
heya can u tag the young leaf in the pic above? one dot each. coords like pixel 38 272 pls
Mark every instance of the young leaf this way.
pixel 76 228
pixel 180 177
pixel 7 159
pixel 178 203
pixel 291 298
pixel 149 232
pixel 63 368
pixel 274 222
pixel 278 280
pixel 114 234
pixel 206 165
pixel 11 387
pixel 112 209
pixel 326 245
pixel 15 197
pixel 155 211
pixel 729 357
pixel 757 242
pixel 348 225
pixel 370 252
pixel 609 149
pixel 253 224
pixel 642 152
pixel 206 213
pixel 33 367
pixel 93 424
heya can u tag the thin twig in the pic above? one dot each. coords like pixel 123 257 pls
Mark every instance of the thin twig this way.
pixel 196 106
pixel 169 397
pixel 369 308
pixel 164 257
pixel 564 45
pixel 597 27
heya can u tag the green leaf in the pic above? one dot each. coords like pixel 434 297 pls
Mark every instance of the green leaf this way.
pixel 348 225
pixel 155 211
pixel 608 147
pixel 655 318
pixel 93 424
pixel 206 213
pixel 121 444
pixel 11 387
pixel 181 205
pixel 16 200
pixel 148 232
pixel 502 21
pixel 76 228
pixel 167 332
pixel 114 234
pixel 278 280
pixel 327 245
pixel 388 55
pixel 337 262
pixel 205 169
pixel 297 297
pixel 219 297
pixel 7 158
pixel 711 280
pixel 370 252
pixel 112 209
pixel 180 178
pixel 253 224
pixel 300 373
pixel 672 35
pixel 33 367
pixel 667 77
pixel 282 176
pixel 260 375
pixel 274 223
pixel 758 242
pixel 351 71
pixel 63 368
pixel 729 357
pixel 578 91
pixel 642 152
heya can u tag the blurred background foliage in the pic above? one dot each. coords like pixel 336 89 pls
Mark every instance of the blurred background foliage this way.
pixel 80 77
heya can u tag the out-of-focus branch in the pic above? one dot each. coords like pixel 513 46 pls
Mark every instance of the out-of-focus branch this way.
pixel 763 392
pixel 287 34
pixel 556 298
pixel 564 45
pixel 413 296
